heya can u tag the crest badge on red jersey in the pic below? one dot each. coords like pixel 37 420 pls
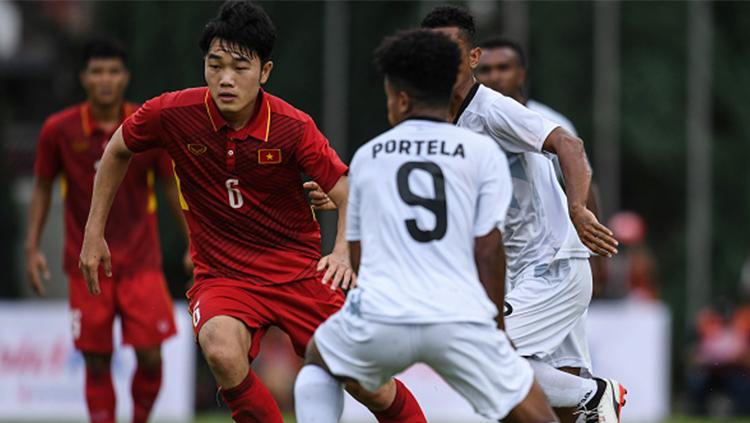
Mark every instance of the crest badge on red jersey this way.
pixel 269 156
pixel 197 149
pixel 79 146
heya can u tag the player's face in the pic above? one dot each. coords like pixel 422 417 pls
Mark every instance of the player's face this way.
pixel 105 80
pixel 398 103
pixel 469 54
pixel 234 77
pixel 500 69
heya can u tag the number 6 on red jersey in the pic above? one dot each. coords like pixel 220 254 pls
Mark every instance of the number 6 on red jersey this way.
pixel 235 196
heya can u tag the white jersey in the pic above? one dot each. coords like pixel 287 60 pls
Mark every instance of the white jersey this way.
pixel 418 196
pixel 552 115
pixel 538 229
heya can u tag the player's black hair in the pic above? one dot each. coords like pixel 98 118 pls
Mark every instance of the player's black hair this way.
pixel 242 24
pixel 103 48
pixel 502 42
pixel 451 16
pixel 422 63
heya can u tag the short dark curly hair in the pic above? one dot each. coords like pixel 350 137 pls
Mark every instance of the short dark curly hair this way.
pixel 423 63
pixel 451 16
pixel 502 42
pixel 103 48
pixel 242 24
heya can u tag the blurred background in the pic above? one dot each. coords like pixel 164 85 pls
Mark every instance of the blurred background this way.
pixel 657 90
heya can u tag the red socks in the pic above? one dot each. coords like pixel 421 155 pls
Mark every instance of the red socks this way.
pixel 252 402
pixel 145 388
pixel 100 396
pixel 404 409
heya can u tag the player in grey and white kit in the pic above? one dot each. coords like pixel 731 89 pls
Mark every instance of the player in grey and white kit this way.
pixel 548 235
pixel 427 204
pixel 503 67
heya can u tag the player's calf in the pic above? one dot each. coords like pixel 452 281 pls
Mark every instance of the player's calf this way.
pixel 377 401
pixel 225 342
pixel 568 414
pixel 401 404
pixel 317 394
pixel 100 391
pixel 318 397
pixel 146 382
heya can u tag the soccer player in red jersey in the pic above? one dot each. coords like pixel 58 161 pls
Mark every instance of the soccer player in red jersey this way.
pixel 238 154
pixel 70 145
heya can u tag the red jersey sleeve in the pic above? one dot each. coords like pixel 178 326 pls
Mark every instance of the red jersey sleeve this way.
pixel 317 159
pixel 48 160
pixel 142 130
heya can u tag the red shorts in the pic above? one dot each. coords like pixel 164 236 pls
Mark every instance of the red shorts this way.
pixel 141 300
pixel 297 308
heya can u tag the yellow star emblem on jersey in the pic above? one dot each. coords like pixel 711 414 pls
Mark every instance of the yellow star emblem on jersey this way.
pixel 269 156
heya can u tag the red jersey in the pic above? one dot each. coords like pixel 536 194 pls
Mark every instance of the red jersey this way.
pixel 242 190
pixel 71 144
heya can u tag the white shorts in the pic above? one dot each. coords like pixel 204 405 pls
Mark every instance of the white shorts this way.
pixel 475 359
pixel 545 313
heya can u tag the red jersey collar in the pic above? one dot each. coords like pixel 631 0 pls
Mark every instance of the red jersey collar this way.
pixel 258 127
pixel 89 124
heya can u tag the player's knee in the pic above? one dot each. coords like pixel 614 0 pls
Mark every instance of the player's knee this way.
pixel 312 355
pixel 360 394
pixel 222 350
pixel 97 363
pixel 149 357
pixel 222 356
pixel 379 400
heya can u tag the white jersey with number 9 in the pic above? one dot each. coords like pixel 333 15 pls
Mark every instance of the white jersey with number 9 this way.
pixel 419 195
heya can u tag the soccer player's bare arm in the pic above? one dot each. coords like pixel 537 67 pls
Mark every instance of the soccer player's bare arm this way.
pixel 489 255
pixel 572 155
pixel 47 166
pixel 36 262
pixel 339 270
pixel 597 262
pixel 577 174
pixel 318 198
pixel 112 169
pixel 355 254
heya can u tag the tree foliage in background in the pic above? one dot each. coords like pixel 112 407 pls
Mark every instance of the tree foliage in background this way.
pixel 731 143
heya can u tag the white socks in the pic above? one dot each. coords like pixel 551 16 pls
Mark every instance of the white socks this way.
pixel 318 397
pixel 562 389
